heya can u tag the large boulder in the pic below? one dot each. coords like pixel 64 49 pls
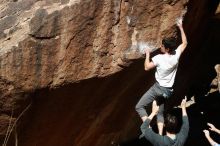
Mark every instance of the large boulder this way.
pixel 71 71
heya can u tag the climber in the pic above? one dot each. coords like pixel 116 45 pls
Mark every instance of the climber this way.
pixel 207 135
pixel 172 138
pixel 166 66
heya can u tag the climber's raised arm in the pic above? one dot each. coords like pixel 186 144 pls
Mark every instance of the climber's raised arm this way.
pixel 183 45
pixel 148 64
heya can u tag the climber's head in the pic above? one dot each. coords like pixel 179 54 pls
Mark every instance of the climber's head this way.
pixel 168 45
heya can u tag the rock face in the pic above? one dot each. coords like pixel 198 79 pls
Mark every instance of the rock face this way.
pixel 211 60
pixel 74 65
pixel 51 43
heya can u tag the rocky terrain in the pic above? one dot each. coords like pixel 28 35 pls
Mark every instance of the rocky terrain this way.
pixel 71 72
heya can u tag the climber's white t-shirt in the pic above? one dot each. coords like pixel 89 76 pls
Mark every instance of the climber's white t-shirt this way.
pixel 166 67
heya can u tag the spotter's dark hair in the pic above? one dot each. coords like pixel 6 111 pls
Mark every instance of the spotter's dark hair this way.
pixel 171 123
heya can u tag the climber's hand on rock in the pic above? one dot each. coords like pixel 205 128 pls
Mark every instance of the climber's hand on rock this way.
pixel 179 22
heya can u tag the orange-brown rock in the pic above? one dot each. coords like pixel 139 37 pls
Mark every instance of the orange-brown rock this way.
pixel 71 62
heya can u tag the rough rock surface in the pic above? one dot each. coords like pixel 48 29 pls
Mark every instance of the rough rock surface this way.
pixel 49 43
pixel 73 62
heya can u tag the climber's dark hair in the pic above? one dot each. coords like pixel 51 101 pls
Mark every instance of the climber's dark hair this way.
pixel 169 43
pixel 171 123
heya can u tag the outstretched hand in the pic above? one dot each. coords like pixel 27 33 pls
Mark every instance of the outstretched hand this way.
pixel 155 107
pixel 183 103
pixel 211 126
pixel 206 132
